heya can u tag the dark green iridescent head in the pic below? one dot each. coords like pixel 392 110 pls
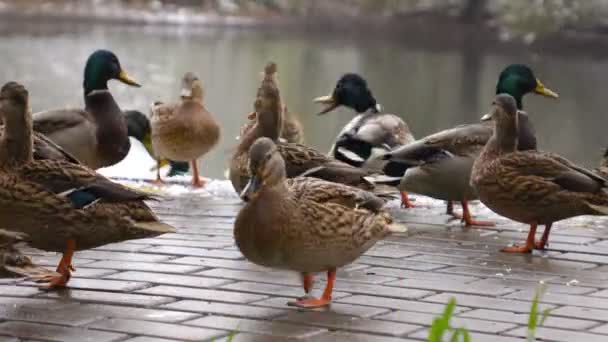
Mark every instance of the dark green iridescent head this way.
pixel 518 80
pixel 351 91
pixel 102 66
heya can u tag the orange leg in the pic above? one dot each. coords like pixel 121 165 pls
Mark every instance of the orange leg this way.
pixel 528 247
pixel 468 218
pixel 545 238
pixel 63 269
pixel 158 180
pixel 405 201
pixel 325 299
pixel 307 283
pixel 196 181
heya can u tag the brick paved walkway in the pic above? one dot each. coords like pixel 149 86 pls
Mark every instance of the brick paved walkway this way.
pixel 195 286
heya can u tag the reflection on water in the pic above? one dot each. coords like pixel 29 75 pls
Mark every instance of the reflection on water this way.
pixel 432 88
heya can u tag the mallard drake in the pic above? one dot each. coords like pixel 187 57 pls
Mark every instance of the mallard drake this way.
pixel 300 160
pixel 60 205
pixel 185 130
pixel 97 134
pixel 292 131
pixel 532 187
pixel 439 165
pixel 138 127
pixel 305 224
pixel 371 130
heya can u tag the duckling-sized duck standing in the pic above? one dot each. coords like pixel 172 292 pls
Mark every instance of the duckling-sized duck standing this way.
pixel 60 205
pixel 370 130
pixel 439 165
pixel 184 131
pixel 300 160
pixel 97 134
pixel 532 187
pixel 138 127
pixel 305 224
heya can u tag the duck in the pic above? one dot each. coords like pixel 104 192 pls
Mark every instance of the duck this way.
pixel 184 130
pixel 370 132
pixel 439 165
pixel 138 127
pixel 300 160
pixel 305 224
pixel 603 167
pixel 292 131
pixel 532 187
pixel 12 261
pixel 97 134
pixel 62 206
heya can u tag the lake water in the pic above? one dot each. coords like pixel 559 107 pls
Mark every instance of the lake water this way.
pixel 431 87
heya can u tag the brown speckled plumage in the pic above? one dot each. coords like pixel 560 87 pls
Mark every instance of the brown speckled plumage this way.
pixel 299 159
pixel 537 188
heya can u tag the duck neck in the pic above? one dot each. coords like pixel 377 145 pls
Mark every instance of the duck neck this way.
pixel 16 146
pixel 504 139
pixel 93 80
pixel 509 86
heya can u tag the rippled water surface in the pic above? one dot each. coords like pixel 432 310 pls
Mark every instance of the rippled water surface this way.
pixel 432 87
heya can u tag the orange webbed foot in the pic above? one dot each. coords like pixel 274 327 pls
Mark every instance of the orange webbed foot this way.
pixel 517 249
pixel 405 201
pixel 310 303
pixel 53 280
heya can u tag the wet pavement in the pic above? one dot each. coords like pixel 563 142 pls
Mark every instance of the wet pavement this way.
pixel 194 285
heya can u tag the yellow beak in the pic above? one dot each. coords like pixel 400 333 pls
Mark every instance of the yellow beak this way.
pixel 328 101
pixel 126 79
pixel 541 90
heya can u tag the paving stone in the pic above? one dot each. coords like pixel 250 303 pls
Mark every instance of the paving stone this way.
pixel 204 294
pixel 349 323
pixel 591 258
pixel 107 285
pixel 257 327
pixel 580 312
pixel 409 274
pixel 33 303
pixel 225 309
pixel 563 299
pixel 559 335
pixel 551 321
pixel 122 256
pixel 477 337
pixel 145 267
pixel 53 260
pixel 385 291
pixel 190 237
pixel 525 285
pixel 55 333
pixel 357 337
pixel 222 263
pixel 273 289
pixel 129 312
pixel 283 278
pixel 486 302
pixel 156 329
pixel 499 273
pixel 395 304
pixel 18 291
pixel 427 319
pixel 169 279
pixel 401 264
pixel 191 251
pixel 338 308
pixel 448 285
pixel 516 262
pixel 248 337
pixel 149 339
pixel 122 247
pixel 109 297
pixel 164 241
pixel 70 315
pixel 87 272
pixel 385 250
pixel 603 329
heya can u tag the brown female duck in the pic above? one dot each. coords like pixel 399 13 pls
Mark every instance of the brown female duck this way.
pixel 184 131
pixel 299 159
pixel 97 134
pixel 60 205
pixel 305 224
pixel 532 187
pixel 439 165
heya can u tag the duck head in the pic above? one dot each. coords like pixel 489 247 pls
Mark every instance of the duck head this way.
pixel 504 115
pixel 13 101
pixel 351 91
pixel 191 87
pixel 266 166
pixel 518 80
pixel 102 66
